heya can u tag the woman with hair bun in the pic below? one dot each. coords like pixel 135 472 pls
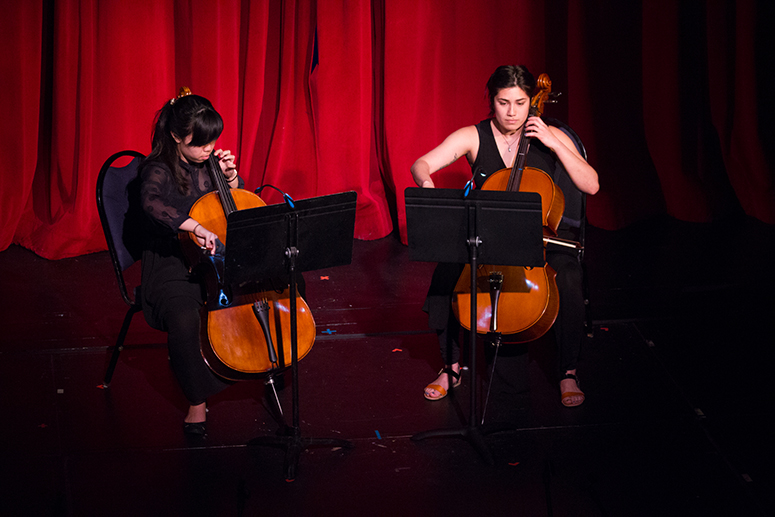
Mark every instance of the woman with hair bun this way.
pixel 173 178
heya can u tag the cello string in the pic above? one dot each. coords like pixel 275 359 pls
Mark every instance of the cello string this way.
pixel 224 191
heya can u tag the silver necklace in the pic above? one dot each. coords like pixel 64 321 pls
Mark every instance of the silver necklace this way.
pixel 507 142
pixel 504 138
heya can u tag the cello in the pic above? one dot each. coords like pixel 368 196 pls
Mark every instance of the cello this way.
pixel 242 336
pixel 517 303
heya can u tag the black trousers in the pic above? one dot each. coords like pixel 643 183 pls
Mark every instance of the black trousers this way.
pixel 196 379
pixel 172 299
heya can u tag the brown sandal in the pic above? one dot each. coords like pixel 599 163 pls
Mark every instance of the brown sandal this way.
pixel 568 394
pixel 440 389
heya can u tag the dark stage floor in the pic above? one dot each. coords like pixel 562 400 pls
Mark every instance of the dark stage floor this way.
pixel 676 421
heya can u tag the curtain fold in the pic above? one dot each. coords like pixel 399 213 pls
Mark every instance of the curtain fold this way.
pixel 25 28
pixel 343 110
pixel 735 31
pixel 325 96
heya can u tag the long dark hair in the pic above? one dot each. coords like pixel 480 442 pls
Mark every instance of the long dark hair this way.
pixel 509 76
pixel 185 115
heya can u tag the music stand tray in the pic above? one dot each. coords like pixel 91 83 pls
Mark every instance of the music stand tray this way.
pixel 272 241
pixel 259 237
pixel 494 227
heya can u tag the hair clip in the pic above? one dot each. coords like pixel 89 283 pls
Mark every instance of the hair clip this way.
pixel 184 90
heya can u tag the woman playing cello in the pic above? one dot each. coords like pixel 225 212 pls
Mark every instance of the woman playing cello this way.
pixel 490 146
pixel 173 179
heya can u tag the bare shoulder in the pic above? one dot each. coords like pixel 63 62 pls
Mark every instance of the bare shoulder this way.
pixel 465 140
pixel 563 137
pixel 465 134
pixel 471 133
pixel 559 133
pixel 462 142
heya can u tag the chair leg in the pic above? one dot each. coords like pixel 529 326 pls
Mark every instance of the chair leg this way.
pixel 119 345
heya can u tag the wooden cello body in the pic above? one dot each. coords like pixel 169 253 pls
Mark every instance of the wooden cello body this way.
pixel 527 298
pixel 234 342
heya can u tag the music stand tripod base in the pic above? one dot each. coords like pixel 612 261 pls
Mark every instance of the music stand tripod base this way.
pixel 293 444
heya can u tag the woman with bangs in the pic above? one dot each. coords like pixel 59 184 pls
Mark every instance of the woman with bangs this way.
pixel 173 178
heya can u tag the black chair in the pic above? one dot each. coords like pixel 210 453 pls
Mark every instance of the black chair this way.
pixel 118 203
pixel 579 220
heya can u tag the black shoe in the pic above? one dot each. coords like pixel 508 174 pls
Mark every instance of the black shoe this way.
pixel 195 428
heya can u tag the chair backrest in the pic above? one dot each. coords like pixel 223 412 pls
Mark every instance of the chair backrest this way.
pixel 565 128
pixel 118 203
pixel 581 218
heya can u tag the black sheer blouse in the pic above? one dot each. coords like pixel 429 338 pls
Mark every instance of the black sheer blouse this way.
pixel 165 272
pixel 161 199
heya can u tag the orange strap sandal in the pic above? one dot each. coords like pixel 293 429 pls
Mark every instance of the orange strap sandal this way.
pixel 440 389
pixel 568 394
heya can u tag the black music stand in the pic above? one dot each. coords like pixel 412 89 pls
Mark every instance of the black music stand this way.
pixel 503 228
pixel 272 241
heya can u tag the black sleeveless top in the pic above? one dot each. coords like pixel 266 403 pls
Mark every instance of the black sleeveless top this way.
pixel 488 161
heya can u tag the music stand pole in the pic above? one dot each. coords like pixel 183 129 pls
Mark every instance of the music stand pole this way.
pixel 317 210
pixel 503 228
pixel 472 432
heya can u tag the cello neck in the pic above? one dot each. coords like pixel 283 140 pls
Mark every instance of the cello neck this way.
pixel 224 191
pixel 515 179
pixel 544 88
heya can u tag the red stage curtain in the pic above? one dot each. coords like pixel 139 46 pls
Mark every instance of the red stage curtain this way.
pixel 21 34
pixel 325 96
pixel 437 58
